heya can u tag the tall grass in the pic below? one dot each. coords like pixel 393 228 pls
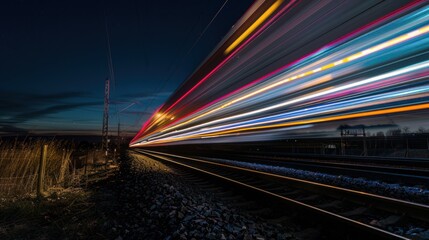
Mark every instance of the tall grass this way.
pixel 19 163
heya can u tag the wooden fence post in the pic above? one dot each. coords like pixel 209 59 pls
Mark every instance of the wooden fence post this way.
pixel 86 163
pixel 41 176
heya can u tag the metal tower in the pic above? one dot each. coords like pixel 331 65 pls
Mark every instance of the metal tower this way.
pixel 105 131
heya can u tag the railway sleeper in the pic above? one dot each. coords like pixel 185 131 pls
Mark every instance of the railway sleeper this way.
pixel 355 212
pixel 390 220
pixel 335 204
pixel 308 198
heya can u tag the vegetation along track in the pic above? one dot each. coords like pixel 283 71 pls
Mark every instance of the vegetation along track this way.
pixel 365 214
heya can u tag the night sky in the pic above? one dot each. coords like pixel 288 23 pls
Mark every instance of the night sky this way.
pixel 54 59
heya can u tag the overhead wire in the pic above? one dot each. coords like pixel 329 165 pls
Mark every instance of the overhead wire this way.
pixel 179 63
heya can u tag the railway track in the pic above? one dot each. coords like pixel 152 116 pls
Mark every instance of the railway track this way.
pixel 358 213
pixel 408 171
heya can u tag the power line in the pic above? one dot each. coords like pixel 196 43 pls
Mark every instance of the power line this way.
pixel 174 67
pixel 109 51
pixel 205 29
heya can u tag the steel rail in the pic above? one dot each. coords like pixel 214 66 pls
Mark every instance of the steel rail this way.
pixel 377 172
pixel 413 210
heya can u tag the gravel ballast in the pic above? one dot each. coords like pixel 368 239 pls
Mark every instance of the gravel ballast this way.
pixel 156 203
pixel 418 194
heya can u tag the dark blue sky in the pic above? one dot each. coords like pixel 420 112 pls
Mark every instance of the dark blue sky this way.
pixel 53 59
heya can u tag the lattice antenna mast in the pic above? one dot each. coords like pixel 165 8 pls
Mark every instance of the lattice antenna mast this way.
pixel 105 131
pixel 119 134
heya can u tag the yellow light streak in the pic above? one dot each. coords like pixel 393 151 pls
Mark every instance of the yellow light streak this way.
pixel 254 25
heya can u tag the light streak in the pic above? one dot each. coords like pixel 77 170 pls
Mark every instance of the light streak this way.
pixel 371 73
pixel 254 25
pixel 336 118
pixel 350 58
pixel 304 122
pixel 228 58
pixel 314 111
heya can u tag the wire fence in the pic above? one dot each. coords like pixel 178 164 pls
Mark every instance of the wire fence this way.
pixel 62 171
pixel 19 164
pixel 18 185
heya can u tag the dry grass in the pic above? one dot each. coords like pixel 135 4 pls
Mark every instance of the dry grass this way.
pixel 19 161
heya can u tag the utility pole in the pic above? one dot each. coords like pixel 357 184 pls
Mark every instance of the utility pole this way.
pixel 119 135
pixel 105 131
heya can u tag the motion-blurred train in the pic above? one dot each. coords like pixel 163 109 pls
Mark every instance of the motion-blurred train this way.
pixel 305 69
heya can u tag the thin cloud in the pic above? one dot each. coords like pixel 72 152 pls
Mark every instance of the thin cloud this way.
pixel 19 118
